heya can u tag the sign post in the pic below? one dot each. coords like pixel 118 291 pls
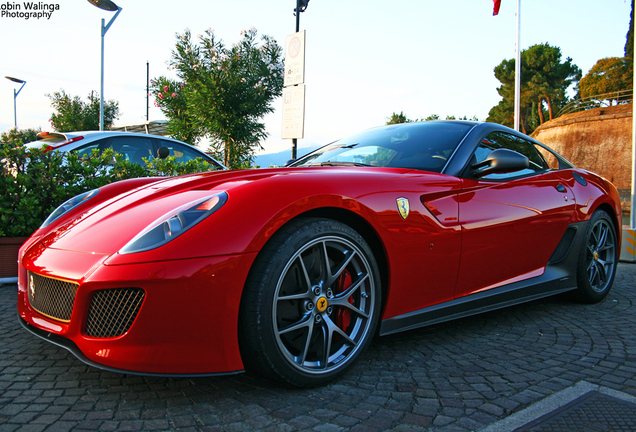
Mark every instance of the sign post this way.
pixel 294 90
pixel 294 112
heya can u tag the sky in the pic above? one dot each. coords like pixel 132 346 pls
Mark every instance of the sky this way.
pixel 364 59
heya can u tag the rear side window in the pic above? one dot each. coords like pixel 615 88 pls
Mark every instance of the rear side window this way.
pixel 181 152
pixel 184 153
pixel 550 158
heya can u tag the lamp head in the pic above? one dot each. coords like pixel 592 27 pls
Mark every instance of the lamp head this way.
pixel 17 80
pixel 302 5
pixel 106 5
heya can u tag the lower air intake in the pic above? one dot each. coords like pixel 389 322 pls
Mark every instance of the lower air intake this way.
pixel 113 311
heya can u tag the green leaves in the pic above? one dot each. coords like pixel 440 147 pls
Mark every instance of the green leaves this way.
pixel 544 82
pixel 222 93
pixel 608 75
pixel 170 167
pixel 73 114
pixel 398 118
pixel 34 182
pixel 16 137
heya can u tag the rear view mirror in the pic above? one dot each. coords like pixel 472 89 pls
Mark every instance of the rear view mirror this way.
pixel 500 161
pixel 163 152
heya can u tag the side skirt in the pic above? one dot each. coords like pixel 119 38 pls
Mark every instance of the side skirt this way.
pixel 559 277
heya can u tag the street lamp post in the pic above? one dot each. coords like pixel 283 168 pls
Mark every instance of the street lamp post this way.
pixel 301 5
pixel 15 96
pixel 106 5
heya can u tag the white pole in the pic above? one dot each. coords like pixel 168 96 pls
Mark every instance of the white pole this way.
pixel 518 70
pixel 101 92
pixel 101 84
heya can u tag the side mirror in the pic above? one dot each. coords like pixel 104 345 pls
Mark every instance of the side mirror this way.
pixel 163 152
pixel 500 161
pixel 289 162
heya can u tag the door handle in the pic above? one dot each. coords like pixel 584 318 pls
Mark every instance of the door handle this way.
pixel 561 188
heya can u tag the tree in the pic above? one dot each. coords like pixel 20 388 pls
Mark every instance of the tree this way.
pixel 401 118
pixel 398 118
pixel 608 75
pixel 182 124
pixel 17 137
pixel 549 77
pixel 629 44
pixel 544 82
pixel 73 114
pixel 222 93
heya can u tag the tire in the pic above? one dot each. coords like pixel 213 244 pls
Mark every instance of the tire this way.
pixel 598 259
pixel 311 303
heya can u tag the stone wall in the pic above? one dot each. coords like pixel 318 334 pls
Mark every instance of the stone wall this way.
pixel 598 140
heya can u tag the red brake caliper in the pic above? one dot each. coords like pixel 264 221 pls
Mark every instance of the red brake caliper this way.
pixel 343 317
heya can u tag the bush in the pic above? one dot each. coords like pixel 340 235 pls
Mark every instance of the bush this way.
pixel 15 137
pixel 34 182
pixel 170 167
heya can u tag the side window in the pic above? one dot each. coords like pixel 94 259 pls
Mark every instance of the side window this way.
pixel 502 140
pixel 87 150
pixel 134 149
pixel 181 152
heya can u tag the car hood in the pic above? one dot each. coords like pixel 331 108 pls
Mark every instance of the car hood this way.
pixel 107 226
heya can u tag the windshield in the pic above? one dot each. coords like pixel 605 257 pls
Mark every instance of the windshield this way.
pixel 422 145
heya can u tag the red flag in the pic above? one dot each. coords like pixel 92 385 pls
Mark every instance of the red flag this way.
pixel 496 10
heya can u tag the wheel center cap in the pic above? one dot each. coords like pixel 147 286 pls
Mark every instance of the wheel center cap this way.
pixel 321 304
pixel 596 256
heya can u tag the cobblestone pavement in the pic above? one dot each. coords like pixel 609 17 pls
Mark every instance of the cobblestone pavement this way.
pixel 456 376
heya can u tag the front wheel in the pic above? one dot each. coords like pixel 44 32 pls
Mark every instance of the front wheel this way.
pixel 311 303
pixel 597 259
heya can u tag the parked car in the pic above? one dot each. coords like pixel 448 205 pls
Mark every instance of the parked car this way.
pixel 291 271
pixel 134 146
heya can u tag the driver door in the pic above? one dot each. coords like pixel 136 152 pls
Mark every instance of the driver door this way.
pixel 511 222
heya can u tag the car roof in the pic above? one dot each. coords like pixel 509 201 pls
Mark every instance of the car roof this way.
pixel 57 139
pixel 63 136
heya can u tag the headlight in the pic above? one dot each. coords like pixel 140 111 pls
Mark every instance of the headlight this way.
pixel 175 223
pixel 68 206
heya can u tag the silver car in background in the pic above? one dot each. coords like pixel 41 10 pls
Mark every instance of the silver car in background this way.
pixel 133 146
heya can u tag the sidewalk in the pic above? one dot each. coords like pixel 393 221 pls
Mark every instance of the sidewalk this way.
pixel 525 368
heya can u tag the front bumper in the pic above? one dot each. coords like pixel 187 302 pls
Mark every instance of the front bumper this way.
pixel 187 323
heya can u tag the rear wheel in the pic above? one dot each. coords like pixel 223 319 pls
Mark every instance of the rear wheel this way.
pixel 311 303
pixel 598 259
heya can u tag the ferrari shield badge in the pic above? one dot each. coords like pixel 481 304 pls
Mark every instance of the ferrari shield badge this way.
pixel 403 207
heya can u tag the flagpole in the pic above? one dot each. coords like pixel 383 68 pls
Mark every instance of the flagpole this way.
pixel 518 70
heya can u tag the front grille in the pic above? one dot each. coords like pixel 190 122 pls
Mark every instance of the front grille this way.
pixel 113 311
pixel 52 297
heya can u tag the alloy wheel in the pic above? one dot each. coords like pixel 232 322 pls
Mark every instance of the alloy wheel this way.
pixel 323 305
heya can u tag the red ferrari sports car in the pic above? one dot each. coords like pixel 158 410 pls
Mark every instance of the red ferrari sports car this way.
pixel 290 272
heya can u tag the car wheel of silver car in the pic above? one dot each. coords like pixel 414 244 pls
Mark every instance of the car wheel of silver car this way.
pixel 598 259
pixel 311 304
